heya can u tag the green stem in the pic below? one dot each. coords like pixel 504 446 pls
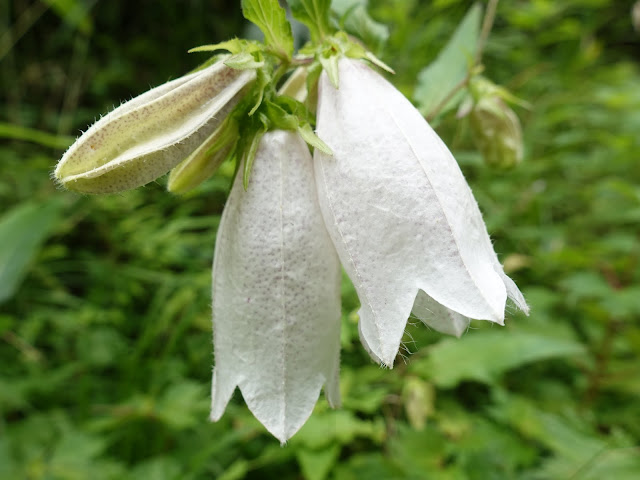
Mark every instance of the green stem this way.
pixel 487 25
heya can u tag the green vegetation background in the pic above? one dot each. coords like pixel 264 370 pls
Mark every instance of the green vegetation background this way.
pixel 105 339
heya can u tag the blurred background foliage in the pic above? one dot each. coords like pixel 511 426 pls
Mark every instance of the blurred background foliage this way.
pixel 105 348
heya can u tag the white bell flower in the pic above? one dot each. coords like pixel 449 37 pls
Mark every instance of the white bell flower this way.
pixel 276 292
pixel 406 226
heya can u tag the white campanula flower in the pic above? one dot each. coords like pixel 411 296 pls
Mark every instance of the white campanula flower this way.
pixel 405 224
pixel 390 203
pixel 276 292
pixel 147 136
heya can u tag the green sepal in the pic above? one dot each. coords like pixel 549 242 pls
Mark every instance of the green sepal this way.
pixel 314 14
pixel 271 18
pixel 243 61
pixel 330 65
pixel 352 49
pixel 313 76
pixel 279 118
pixel 309 136
pixel 249 154
pixel 263 80
pixel 233 46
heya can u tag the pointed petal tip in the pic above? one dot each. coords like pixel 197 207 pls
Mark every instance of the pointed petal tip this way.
pixel 377 353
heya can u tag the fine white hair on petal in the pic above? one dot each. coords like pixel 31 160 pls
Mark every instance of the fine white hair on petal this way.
pixel 145 137
pixel 276 292
pixel 399 211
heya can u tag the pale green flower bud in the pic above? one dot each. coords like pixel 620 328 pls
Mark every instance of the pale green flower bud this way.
pixel 496 128
pixel 147 136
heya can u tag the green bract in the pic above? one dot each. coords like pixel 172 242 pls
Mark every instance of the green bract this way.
pixel 146 137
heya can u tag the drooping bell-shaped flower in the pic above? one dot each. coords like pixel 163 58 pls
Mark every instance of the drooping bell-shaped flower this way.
pixel 406 226
pixel 147 136
pixel 276 295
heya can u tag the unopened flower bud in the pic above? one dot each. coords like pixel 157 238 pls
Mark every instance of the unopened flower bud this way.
pixel 147 136
pixel 495 126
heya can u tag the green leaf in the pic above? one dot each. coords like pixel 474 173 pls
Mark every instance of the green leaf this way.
pixel 355 19
pixel 236 471
pixel 437 81
pixel 342 427
pixel 22 230
pixel 576 447
pixel 484 357
pixel 75 13
pixel 16 132
pixel 182 405
pixel 271 18
pixel 314 14
pixel 316 464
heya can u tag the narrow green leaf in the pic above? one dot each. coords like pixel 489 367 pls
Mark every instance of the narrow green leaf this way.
pixel 379 63
pixel 308 135
pixel 262 82
pixel 235 45
pixel 314 14
pixel 271 18
pixel 22 230
pixel 437 81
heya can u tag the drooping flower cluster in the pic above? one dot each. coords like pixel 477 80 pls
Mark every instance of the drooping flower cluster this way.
pixel 389 204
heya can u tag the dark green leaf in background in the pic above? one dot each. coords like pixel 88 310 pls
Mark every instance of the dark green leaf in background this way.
pixel 485 356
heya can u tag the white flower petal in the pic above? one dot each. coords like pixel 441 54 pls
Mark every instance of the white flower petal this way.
pixel 399 210
pixel 439 317
pixel 276 292
pixel 147 136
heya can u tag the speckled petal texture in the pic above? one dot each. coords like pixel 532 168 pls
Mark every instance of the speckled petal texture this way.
pixel 147 136
pixel 400 213
pixel 276 292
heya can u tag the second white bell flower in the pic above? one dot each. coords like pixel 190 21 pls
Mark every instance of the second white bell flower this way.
pixel 401 215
